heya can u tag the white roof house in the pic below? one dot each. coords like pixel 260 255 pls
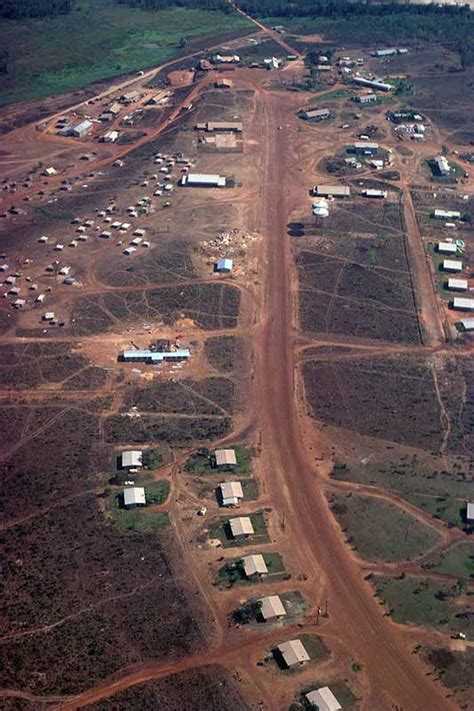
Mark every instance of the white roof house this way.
pixel 293 652
pixel 461 304
pixel 457 284
pixel 224 265
pixel 324 699
pixel 467 324
pixel 254 565
pixel 447 247
pixel 470 511
pixel 132 458
pixel 225 456
pixel 272 607
pixel 442 165
pixel 446 214
pixel 241 526
pixel 134 496
pixel 452 265
pixel 231 493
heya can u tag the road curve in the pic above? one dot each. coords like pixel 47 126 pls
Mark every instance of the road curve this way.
pixel 397 679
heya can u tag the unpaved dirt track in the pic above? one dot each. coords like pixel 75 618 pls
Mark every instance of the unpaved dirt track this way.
pixel 395 676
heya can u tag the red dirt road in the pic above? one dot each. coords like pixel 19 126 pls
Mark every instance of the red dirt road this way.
pixel 395 676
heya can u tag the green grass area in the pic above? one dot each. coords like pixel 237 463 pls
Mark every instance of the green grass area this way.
pixel 439 491
pixel 99 40
pixel 221 530
pixel 458 560
pixel 157 457
pixel 157 492
pixel 336 94
pixel 232 573
pixel 423 602
pixel 381 532
pixel 203 462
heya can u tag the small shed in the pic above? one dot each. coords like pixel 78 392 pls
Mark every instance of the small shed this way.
pixel 132 459
pixel 134 496
pixel 254 566
pixel 224 265
pixel 324 699
pixel 231 493
pixel 272 608
pixel 225 457
pixel 293 653
pixel 241 527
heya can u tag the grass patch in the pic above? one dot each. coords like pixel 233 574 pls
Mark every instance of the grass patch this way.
pixel 336 94
pixel 157 492
pixel 157 457
pixel 99 39
pixel 423 602
pixel 441 492
pixel 458 560
pixel 202 462
pixel 138 520
pixel 379 531
pixel 221 530
pixel 232 573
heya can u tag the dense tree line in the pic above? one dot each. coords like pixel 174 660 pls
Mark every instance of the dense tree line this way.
pixel 19 9
pixel 370 22
pixel 221 5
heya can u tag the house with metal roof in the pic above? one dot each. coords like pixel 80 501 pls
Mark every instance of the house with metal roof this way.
pixel 461 304
pixel 365 148
pixel 131 459
pixel 316 114
pixel 134 496
pixel 446 214
pixel 225 457
pixel 452 265
pixel 293 653
pixel 470 511
pixel 324 699
pixel 455 284
pixel 467 324
pixel 254 566
pixel 81 129
pixel 378 194
pixel 447 247
pixel 230 493
pixel 272 608
pixel 154 357
pixel 373 84
pixel 241 527
pixel 441 166
pixel 224 265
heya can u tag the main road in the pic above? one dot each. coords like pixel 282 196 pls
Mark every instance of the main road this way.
pixel 397 678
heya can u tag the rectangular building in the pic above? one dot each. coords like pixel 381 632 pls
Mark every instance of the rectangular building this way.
pixel 154 357
pixel 324 699
pixel 467 324
pixel 131 459
pixel 316 114
pixel 446 214
pixel 457 284
pixel 241 527
pixel 331 191
pixel 225 457
pixel 461 304
pixel 203 180
pixel 372 84
pixel 365 148
pixel 134 496
pixel 224 265
pixel 81 129
pixel 380 194
pixel 231 492
pixel 233 126
pixel 447 247
pixel 293 653
pixel 441 165
pixel 452 265
pixel 254 566
pixel 366 98
pixel 272 608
